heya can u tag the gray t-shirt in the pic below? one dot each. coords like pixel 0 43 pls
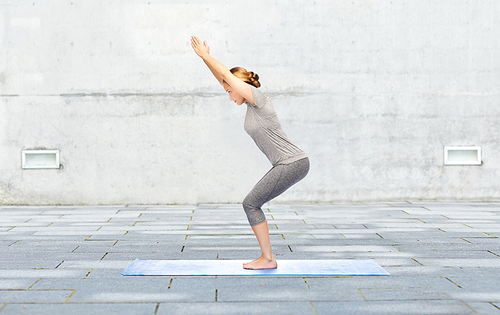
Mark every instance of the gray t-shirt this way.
pixel 262 124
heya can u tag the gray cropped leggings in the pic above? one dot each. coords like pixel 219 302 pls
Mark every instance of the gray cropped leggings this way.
pixel 274 183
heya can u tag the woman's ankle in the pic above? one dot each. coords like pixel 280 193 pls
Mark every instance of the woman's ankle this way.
pixel 268 257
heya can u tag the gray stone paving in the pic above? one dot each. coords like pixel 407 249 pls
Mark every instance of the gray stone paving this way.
pixel 444 258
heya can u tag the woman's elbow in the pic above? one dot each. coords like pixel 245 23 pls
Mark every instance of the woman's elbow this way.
pixel 224 74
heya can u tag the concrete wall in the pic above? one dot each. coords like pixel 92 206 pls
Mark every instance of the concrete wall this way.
pixel 372 90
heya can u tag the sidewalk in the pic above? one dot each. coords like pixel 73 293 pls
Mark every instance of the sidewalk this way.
pixel 444 258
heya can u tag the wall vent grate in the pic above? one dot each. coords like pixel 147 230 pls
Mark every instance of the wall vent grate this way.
pixel 462 155
pixel 36 159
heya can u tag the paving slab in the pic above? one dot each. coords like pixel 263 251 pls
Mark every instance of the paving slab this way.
pixel 34 296
pixel 155 255
pixel 466 254
pixel 29 264
pixel 392 282
pixel 403 293
pixel 424 307
pixel 95 264
pixel 244 308
pixel 132 291
pixel 50 256
pixel 81 309
pixel 458 262
pixel 17 283
pixel 484 307
pixel 41 273
pixel 485 297
pixel 286 294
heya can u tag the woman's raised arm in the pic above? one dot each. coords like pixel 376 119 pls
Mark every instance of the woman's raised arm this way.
pixel 219 79
pixel 221 72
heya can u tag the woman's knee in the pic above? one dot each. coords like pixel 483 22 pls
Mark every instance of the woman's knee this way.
pixel 249 204
pixel 253 211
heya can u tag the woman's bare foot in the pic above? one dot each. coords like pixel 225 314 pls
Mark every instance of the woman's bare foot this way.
pixel 261 263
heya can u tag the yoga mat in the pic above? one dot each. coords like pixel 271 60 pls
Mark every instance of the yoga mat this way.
pixel 235 268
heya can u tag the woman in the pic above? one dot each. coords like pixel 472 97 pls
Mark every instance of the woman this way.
pixel 290 163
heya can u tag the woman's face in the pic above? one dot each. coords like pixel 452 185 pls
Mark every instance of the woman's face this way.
pixel 233 95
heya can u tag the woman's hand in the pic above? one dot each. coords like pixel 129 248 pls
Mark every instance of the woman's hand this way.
pixel 199 48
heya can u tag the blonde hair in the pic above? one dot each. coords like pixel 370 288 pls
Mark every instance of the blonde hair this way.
pixel 246 76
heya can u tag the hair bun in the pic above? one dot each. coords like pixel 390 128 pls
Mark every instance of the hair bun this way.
pixel 249 77
pixel 254 78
